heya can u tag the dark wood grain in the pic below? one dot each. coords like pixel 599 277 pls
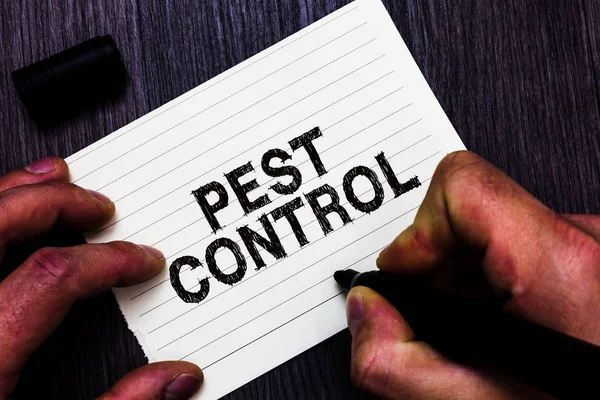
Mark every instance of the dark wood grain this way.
pixel 519 79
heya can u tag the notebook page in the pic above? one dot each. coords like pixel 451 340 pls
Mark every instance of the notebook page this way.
pixel 257 185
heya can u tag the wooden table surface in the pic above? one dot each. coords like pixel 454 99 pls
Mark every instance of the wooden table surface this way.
pixel 519 79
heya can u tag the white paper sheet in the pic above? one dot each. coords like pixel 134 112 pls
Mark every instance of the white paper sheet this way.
pixel 349 74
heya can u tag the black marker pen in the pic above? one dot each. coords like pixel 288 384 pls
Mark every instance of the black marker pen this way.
pixel 481 335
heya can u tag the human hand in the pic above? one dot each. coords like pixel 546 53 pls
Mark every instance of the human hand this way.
pixel 37 295
pixel 480 234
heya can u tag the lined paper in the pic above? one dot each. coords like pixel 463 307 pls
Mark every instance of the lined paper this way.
pixel 351 76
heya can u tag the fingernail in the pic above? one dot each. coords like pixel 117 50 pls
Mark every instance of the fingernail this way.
pixel 43 166
pixel 155 252
pixel 355 311
pixel 183 387
pixel 99 196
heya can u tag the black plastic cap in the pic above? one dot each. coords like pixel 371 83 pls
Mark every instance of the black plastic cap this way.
pixel 64 84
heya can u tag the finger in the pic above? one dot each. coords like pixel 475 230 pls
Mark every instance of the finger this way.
pixel 170 380
pixel 44 170
pixel 29 211
pixel 468 203
pixel 588 223
pixel 386 361
pixel 526 250
pixel 37 295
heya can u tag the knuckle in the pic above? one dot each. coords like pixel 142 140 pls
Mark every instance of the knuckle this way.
pixel 470 182
pixel 589 248
pixel 456 160
pixel 393 369
pixel 57 186
pixel 52 266
pixel 420 239
pixel 371 368
pixel 467 169
pixel 459 165
pixel 64 189
pixel 584 250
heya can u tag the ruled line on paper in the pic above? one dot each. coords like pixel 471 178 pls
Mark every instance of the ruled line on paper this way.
pixel 361 108
pixel 231 266
pixel 273 179
pixel 160 198
pixel 242 131
pixel 302 163
pixel 311 265
pixel 245 109
pixel 268 333
pixel 285 280
pixel 291 298
pixel 271 137
pixel 314 220
pixel 311 179
pixel 297 166
pixel 93 148
pixel 312 308
pixel 347 159
pixel 305 312
pixel 236 93
pixel 275 263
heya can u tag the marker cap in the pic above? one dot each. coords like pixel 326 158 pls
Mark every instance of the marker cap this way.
pixel 64 84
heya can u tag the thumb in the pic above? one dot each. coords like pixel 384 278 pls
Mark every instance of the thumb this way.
pixel 388 362
pixel 169 380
